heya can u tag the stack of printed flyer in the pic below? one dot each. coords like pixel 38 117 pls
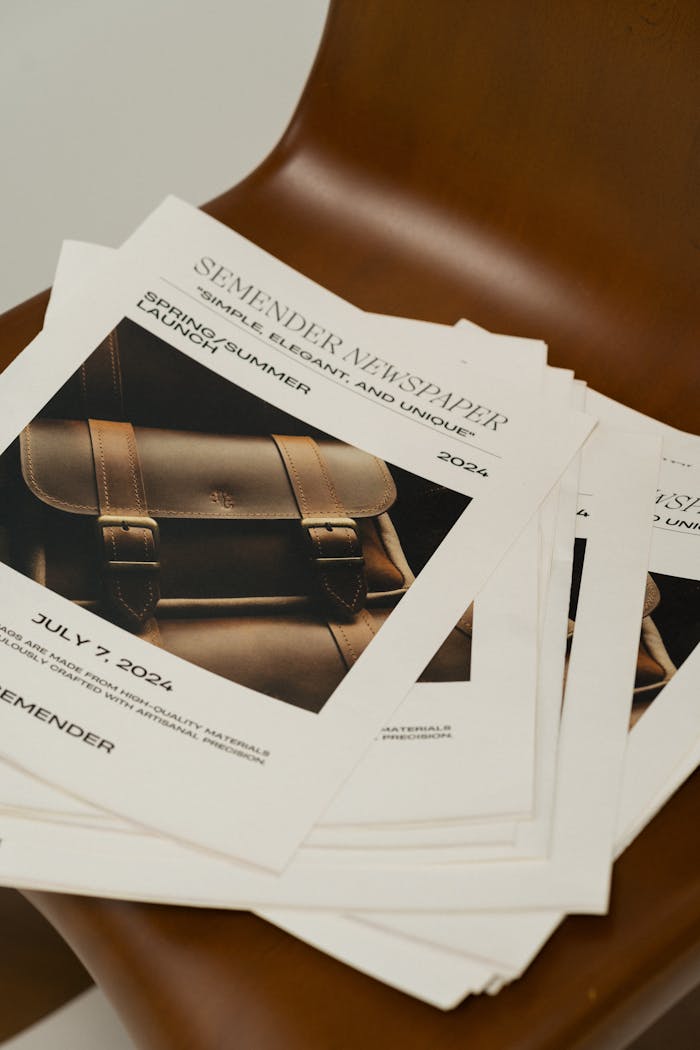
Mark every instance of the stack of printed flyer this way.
pixel 383 629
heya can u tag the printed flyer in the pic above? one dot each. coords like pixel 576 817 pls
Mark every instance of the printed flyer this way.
pixel 234 535
pixel 446 736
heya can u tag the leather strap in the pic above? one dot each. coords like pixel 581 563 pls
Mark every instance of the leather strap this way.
pixel 352 637
pixel 101 381
pixel 127 536
pixel 333 538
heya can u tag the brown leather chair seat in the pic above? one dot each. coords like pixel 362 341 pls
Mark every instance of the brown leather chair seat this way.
pixel 533 167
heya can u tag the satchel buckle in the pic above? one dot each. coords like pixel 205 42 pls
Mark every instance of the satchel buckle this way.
pixel 126 522
pixel 331 523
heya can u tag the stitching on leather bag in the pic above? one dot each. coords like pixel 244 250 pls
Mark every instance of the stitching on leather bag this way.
pixel 326 476
pixel 103 469
pixel 147 539
pixel 349 546
pixel 131 453
pixel 373 508
pixel 114 359
pixel 367 620
pixel 326 583
pixel 387 479
pixel 117 585
pixel 184 512
pixel 137 612
pixel 148 600
pixel 290 463
pixel 387 482
pixel 35 481
pixel 348 643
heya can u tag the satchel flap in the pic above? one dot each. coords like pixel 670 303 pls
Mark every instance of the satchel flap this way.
pixel 193 475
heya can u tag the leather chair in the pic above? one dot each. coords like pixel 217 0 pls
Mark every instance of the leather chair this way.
pixel 533 167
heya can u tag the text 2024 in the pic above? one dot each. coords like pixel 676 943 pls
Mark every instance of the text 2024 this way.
pixel 463 464
pixel 142 672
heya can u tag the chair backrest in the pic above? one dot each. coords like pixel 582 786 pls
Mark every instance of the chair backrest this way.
pixel 532 166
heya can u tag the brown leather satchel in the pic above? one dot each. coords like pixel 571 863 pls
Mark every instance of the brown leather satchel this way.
pixel 655 667
pixel 268 559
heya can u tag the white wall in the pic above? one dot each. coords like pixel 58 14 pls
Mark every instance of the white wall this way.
pixel 88 1022
pixel 105 107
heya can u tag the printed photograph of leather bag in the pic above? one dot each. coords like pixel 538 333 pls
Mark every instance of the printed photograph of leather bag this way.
pixel 196 516
pixel 670 630
pixel 670 633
